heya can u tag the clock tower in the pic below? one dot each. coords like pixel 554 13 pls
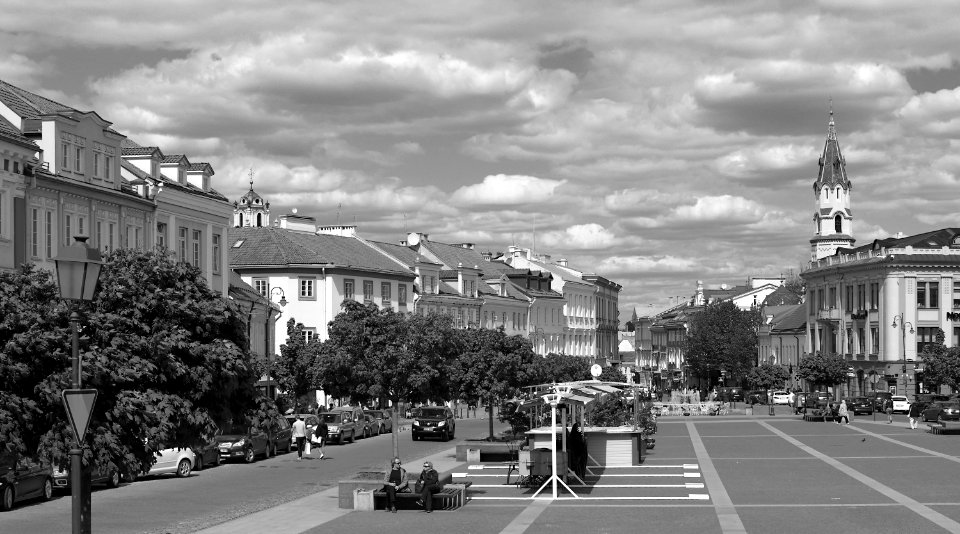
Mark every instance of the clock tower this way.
pixel 833 221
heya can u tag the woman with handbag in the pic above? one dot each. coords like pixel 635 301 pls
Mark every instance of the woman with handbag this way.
pixel 319 437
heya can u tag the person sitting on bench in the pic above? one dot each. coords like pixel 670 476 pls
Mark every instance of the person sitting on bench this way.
pixel 427 485
pixel 395 480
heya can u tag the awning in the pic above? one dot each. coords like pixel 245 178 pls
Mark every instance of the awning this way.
pixel 583 392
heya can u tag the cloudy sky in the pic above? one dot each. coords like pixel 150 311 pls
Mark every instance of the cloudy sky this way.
pixel 654 143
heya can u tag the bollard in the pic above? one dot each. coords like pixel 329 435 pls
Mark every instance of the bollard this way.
pixel 771 410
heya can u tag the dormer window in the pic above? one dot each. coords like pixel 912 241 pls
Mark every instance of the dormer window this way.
pixel 955 242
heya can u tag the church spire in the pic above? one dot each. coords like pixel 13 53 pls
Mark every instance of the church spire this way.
pixel 833 218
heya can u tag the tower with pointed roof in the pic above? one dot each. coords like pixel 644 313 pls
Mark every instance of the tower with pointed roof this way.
pixel 251 211
pixel 833 220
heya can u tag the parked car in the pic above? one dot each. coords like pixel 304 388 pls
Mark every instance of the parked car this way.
pixel 878 398
pixel 860 405
pixel 434 421
pixel 757 396
pixel 781 397
pixel 816 400
pixel 384 419
pixel 730 394
pixel 207 455
pixel 941 411
pixel 243 441
pixel 343 423
pixel 281 436
pixel 107 476
pixel 22 479
pixel 371 427
pixel 900 404
pixel 176 461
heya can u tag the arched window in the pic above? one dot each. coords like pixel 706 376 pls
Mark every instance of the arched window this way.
pixel 838 224
pixel 260 220
pixel 240 220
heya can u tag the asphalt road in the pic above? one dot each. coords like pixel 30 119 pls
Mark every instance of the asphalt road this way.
pixel 167 504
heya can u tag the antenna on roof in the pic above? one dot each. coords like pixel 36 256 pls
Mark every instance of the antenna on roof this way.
pixel 534 235
pixel 339 205
pixel 251 178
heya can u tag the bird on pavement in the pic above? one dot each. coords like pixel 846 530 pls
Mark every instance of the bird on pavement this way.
pixel 864 439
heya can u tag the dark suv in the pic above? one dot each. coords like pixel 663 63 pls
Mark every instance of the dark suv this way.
pixel 730 394
pixel 434 421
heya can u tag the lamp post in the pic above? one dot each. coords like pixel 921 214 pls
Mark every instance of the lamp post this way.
pixel 903 336
pixel 271 355
pixel 78 269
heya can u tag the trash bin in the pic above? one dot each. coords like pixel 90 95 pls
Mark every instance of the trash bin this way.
pixel 363 500
pixel 473 455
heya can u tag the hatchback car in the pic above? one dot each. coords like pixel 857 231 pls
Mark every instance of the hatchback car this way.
pixel 243 441
pixel 781 397
pixel 384 420
pixel 941 411
pixel 343 423
pixel 900 404
pixel 174 461
pixel 281 436
pixel 434 421
pixel 860 405
pixel 106 476
pixel 22 479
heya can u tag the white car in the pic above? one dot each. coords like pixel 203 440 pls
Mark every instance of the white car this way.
pixel 900 404
pixel 781 397
pixel 177 461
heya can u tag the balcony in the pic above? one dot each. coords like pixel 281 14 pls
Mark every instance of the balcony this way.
pixel 833 314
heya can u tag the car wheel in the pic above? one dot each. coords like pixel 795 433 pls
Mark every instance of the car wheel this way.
pixel 248 455
pixel 184 468
pixel 114 479
pixel 6 500
pixel 289 445
pixel 47 489
pixel 415 437
pixel 216 460
pixel 353 436
pixel 340 439
pixel 445 436
pixel 940 419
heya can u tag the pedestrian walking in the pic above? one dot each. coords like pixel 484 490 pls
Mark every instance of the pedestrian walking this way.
pixel 888 408
pixel 320 435
pixel 842 413
pixel 914 414
pixel 300 435
pixel 394 481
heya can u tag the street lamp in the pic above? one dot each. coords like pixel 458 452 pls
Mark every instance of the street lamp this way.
pixel 903 335
pixel 78 269
pixel 283 298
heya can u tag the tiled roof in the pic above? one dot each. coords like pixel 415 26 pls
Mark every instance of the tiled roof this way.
pixel 781 296
pixel 27 104
pixel 933 239
pixel 404 254
pixel 138 151
pixel 245 290
pixel 13 134
pixel 792 318
pixel 453 255
pixel 447 274
pixel 201 167
pixel 173 158
pixel 278 247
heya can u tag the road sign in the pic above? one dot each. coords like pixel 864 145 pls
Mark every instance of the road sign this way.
pixel 79 404
pixel 596 370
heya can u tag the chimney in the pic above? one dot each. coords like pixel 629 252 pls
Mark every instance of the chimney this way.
pixel 342 230
pixel 562 262
pixel 487 256
pixel 298 223
pixel 468 246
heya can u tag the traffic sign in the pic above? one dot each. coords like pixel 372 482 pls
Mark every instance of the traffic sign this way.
pixel 79 404
pixel 596 370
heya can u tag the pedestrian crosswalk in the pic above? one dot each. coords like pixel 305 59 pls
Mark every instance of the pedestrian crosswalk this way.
pixel 673 482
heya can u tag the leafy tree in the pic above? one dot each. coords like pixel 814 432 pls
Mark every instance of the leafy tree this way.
pixel 293 369
pixel 168 356
pixel 611 373
pixel 796 286
pixel 941 365
pixel 768 376
pixel 386 356
pixel 721 337
pixel 823 369
pixel 564 368
pixel 492 365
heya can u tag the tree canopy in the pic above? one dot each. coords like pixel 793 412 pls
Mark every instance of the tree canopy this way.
pixel 823 369
pixel 941 365
pixel 768 376
pixel 721 337
pixel 293 368
pixel 564 368
pixel 168 356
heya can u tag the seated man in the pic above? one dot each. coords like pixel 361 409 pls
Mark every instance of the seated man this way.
pixel 427 485
pixel 395 480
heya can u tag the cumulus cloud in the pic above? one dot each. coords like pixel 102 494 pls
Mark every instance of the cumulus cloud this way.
pixel 724 208
pixel 506 190
pixel 935 114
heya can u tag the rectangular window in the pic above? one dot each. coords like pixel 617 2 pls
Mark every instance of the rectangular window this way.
pixel 183 244
pixel 956 336
pixel 849 303
pixel 925 336
pixel 401 295
pixel 111 231
pixel 108 167
pixel 861 297
pixel 216 253
pixel 348 290
pixel 922 295
pixel 35 233
pixel 821 305
pixel 306 289
pixel 385 293
pixel 49 234
pixel 833 297
pixel 956 295
pixel 137 238
pixel 161 235
pixel 861 342
pixel 96 164
pixel 78 161
pixel 309 334
pixel 928 294
pixel 81 223
pixel 459 318
pixel 67 229
pixel 367 291
pixel 874 296
pixel 874 340
pixel 196 248
pixel 65 156
pixel 6 165
pixel 3 212
pixel 262 286
pixel 100 240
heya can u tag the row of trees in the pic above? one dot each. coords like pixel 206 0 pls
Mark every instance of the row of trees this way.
pixel 169 357
pixel 377 356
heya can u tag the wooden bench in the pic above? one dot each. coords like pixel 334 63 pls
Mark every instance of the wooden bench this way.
pixel 944 428
pixel 815 415
pixel 451 497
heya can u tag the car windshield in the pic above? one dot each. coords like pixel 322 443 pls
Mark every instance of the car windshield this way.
pixel 431 412
pixel 330 417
